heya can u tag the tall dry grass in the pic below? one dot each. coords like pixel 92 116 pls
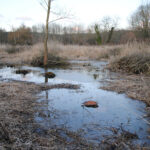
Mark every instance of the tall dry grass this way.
pixel 116 54
pixel 77 52
pixel 72 52
pixel 134 48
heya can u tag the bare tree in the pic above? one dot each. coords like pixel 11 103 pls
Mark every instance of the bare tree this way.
pixel 105 29
pixel 140 19
pixel 107 23
pixel 46 4
pixel 110 35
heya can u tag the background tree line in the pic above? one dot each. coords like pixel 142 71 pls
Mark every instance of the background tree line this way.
pixel 103 32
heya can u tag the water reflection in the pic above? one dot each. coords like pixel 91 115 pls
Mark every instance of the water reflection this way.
pixel 46 78
pixel 73 75
pixel 46 94
pixel 95 76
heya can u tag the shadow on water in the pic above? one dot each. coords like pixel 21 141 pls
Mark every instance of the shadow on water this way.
pixel 63 107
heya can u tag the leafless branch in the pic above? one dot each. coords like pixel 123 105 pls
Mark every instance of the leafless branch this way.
pixel 61 18
pixel 61 15
pixel 39 1
pixel 45 3
pixel 55 13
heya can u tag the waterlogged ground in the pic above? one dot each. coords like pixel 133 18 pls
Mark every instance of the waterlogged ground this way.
pixel 63 107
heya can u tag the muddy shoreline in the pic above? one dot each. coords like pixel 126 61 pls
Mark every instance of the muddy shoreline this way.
pixel 134 86
pixel 19 105
pixel 20 131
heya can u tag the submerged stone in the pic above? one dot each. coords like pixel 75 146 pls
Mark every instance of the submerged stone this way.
pixel 24 72
pixel 90 104
pixel 10 65
pixel 50 75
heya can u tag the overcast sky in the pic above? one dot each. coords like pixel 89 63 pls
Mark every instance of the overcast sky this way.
pixel 30 12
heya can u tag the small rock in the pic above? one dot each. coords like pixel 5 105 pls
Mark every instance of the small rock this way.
pixel 50 75
pixel 90 104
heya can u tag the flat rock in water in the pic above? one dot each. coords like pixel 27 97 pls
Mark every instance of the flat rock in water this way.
pixel 90 104
pixel 50 75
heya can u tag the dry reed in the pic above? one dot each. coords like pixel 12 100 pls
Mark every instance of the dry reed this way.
pixel 136 52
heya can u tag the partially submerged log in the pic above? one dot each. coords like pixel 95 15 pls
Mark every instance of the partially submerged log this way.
pixel 50 75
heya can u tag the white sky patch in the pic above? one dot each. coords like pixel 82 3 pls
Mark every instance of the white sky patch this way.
pixel 24 18
pixel 85 11
pixel 1 16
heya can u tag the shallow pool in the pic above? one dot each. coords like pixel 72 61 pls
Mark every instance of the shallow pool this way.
pixel 63 107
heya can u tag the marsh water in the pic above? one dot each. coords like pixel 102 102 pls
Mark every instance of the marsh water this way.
pixel 62 108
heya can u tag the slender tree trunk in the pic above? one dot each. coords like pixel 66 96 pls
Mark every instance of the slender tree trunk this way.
pixel 46 35
pixel 110 35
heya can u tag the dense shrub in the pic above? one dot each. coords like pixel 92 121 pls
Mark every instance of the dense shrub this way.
pixel 134 63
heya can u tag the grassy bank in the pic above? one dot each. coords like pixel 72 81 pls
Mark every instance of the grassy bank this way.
pixel 133 58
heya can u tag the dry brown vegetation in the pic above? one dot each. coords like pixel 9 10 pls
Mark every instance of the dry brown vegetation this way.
pixel 135 87
pixel 134 64
pixel 18 129
pixel 28 54
pixel 132 57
